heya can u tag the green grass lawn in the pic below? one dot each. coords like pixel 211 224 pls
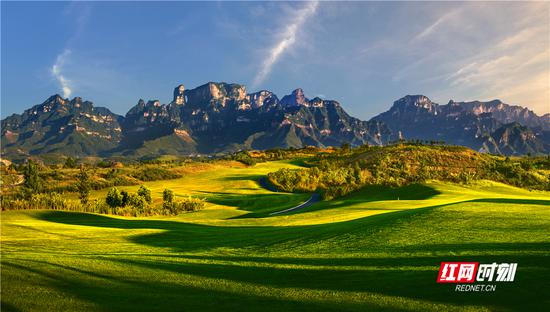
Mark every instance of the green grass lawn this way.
pixel 376 249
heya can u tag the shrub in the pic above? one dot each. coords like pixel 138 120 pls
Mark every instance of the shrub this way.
pixel 138 204
pixel 245 158
pixel 328 179
pixel 114 198
pixel 52 201
pixel 145 193
pixel 168 196
pixel 154 174
pixel 125 197
pixel 188 204
pixel 173 208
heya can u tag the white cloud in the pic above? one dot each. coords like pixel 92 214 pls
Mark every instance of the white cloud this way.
pixel 81 12
pixel 436 25
pixel 57 73
pixel 525 36
pixel 480 55
pixel 286 41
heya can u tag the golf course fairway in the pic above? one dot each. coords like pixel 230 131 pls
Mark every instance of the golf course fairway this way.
pixel 375 249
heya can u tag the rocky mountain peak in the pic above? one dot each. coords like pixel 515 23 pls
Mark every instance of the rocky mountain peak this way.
pixel 415 102
pixel 55 99
pixel 219 116
pixel 262 98
pixel 296 98
pixel 179 97
pixel 215 94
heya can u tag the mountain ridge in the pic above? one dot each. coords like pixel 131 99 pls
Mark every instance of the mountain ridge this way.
pixel 222 117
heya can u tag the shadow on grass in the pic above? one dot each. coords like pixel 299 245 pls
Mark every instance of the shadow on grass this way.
pixel 187 237
pixel 8 307
pixel 541 202
pixel 124 293
pixel 401 275
pixel 374 193
pixel 242 177
pixel 258 205
pixel 405 277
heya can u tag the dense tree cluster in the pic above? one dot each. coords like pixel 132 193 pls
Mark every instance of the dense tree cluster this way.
pixel 338 174
pixel 330 179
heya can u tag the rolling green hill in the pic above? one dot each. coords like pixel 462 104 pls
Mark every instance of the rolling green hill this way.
pixel 375 249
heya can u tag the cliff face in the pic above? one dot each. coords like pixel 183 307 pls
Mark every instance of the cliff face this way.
pixel 72 127
pixel 479 125
pixel 505 113
pixel 223 117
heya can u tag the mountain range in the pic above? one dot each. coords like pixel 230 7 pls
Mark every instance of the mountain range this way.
pixel 222 117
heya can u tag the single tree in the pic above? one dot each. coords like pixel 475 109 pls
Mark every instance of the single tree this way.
pixel 145 193
pixel 83 185
pixel 168 201
pixel 168 196
pixel 32 183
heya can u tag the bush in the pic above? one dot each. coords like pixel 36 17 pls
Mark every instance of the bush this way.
pixel 114 198
pixel 138 204
pixel 154 174
pixel 52 201
pixel 173 208
pixel 245 158
pixel 145 193
pixel 70 163
pixel 188 204
pixel 168 196
pixel 116 202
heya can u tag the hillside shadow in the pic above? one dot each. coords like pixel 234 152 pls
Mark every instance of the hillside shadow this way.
pixel 374 193
pixel 384 276
pixel 360 275
pixel 242 177
pixel 123 293
pixel 257 205
pixel 192 237
pixel 415 191
pixel 401 275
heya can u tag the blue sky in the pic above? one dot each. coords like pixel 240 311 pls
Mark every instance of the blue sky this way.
pixel 363 54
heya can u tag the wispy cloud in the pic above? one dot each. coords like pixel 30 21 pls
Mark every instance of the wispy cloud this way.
pixel 57 73
pixel 82 12
pixel 286 41
pixel 432 28
pixel 479 56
